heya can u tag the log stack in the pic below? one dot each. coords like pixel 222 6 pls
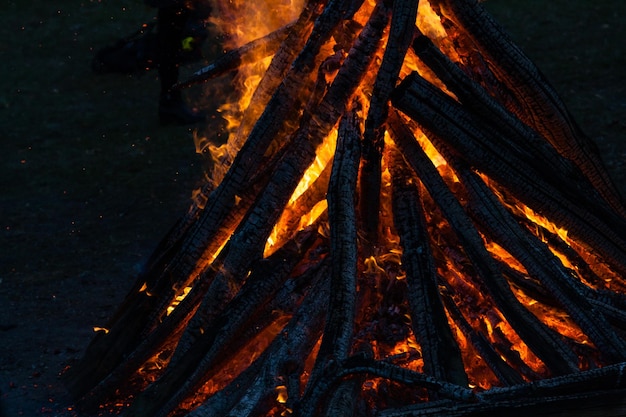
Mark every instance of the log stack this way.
pixel 465 252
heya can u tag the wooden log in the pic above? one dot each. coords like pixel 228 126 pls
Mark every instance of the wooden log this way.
pixel 548 346
pixel 361 364
pixel 501 369
pixel 249 53
pixel 536 257
pixel 540 105
pixel 338 330
pixel 445 120
pixel 341 197
pixel 441 353
pixel 286 354
pixel 581 394
pixel 403 18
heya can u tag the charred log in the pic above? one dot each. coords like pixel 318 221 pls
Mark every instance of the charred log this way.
pixel 418 267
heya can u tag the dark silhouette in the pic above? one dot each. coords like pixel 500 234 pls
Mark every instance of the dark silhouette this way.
pixel 175 38
pixel 178 33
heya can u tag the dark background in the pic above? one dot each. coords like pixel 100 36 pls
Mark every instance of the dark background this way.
pixel 89 182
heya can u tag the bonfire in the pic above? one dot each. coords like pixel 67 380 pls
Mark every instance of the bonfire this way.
pixel 404 221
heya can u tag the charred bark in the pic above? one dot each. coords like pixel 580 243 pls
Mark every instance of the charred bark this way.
pixel 400 35
pixel 550 348
pixel 487 151
pixel 442 357
pixel 540 105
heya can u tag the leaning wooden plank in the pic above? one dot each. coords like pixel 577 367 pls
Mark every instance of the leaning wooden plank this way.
pixel 337 339
pixel 441 353
pixel 403 18
pixel 251 52
pixel 444 119
pixel 540 339
pixel 539 104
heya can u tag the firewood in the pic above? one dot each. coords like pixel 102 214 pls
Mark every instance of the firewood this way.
pixel 445 119
pixel 548 397
pixel 284 356
pixel 233 59
pixel 343 240
pixel 242 290
pixel 442 357
pixel 540 105
pixel 540 263
pixel 400 35
pixel 339 327
pixel 503 371
pixel 362 364
pixel 541 340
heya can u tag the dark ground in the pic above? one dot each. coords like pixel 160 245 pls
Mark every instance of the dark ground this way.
pixel 90 183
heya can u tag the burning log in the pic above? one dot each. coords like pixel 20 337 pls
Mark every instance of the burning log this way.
pixel 337 340
pixel 539 105
pixel 442 357
pixel 400 36
pixel 247 54
pixel 388 236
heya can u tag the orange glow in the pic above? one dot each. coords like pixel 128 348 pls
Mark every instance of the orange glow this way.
pixel 180 297
pixel 100 329
pixel 381 274
pixel 281 394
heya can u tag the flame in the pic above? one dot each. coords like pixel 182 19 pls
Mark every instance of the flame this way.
pixel 296 213
pixel 177 300
pixel 100 329
pixel 281 394
pixel 381 270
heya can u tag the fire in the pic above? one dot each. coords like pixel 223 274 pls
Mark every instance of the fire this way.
pixel 461 273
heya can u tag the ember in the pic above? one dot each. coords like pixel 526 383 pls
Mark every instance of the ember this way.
pixel 409 224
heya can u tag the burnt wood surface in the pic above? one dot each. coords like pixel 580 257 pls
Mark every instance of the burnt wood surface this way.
pixel 318 302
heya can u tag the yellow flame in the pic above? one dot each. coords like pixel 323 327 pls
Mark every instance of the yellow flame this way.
pixel 177 300
pixel 324 154
pixel 100 329
pixel 281 394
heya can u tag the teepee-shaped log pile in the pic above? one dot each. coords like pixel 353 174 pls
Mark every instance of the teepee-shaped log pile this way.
pixel 411 224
